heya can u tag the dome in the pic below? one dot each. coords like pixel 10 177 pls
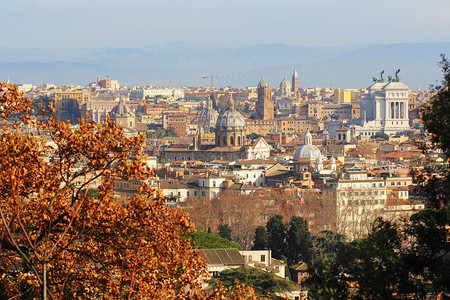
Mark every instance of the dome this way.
pixel 262 83
pixel 308 150
pixel 285 84
pixel 208 117
pixel 121 109
pixel 230 118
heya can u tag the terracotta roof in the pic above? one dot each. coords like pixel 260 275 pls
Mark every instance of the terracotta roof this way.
pixel 399 155
pixel 225 149
pixel 257 162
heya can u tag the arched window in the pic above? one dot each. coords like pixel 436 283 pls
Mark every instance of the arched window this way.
pixel 232 140
pixel 238 140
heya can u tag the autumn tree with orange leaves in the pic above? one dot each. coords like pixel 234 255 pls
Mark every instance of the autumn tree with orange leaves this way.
pixel 57 242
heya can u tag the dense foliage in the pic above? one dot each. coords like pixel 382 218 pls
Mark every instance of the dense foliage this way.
pixel 225 231
pixel 59 240
pixel 204 240
pixel 286 240
pixel 264 283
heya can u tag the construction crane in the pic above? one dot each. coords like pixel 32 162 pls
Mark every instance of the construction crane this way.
pixel 216 76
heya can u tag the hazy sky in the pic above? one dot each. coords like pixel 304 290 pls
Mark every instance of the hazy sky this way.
pixel 136 23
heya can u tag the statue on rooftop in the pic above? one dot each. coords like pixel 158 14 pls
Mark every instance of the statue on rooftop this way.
pixel 375 79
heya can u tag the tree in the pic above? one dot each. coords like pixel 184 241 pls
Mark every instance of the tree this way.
pixel 161 132
pixel 380 135
pixel 42 100
pixel 373 264
pixel 277 229
pixel 170 132
pixel 69 112
pixel 326 246
pixel 429 228
pixel 264 283
pixel 426 258
pixel 253 136
pixel 225 231
pixel 205 240
pixel 242 213
pixel 298 241
pixel 324 253
pixel 261 239
pixel 247 109
pixel 57 242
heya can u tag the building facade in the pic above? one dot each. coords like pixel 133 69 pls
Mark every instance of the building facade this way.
pixel 384 109
pixel 264 109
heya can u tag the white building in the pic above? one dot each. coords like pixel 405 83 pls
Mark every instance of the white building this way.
pixel 384 109
pixel 262 259
pixel 355 201
pixel 252 177
pixel 151 92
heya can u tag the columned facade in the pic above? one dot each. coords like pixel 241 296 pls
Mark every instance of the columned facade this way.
pixel 384 109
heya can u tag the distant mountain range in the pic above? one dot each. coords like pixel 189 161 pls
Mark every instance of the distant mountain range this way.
pixel 185 63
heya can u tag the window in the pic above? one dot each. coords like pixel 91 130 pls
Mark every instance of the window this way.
pixel 263 258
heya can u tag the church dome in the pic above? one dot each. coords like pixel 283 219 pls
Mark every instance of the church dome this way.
pixel 285 84
pixel 262 83
pixel 230 118
pixel 308 150
pixel 121 109
pixel 208 117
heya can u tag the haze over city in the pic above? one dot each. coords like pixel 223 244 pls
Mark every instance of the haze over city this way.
pixel 138 23
pixel 331 43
